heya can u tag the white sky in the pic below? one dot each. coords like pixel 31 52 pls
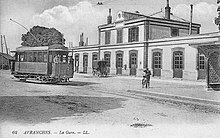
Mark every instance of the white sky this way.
pixel 72 17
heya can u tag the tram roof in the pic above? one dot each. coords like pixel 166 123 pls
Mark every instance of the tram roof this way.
pixel 54 47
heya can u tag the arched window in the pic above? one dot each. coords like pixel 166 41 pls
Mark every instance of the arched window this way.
pixel 107 57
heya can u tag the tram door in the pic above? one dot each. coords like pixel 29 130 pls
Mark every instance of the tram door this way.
pixel 85 63
pixel 133 63
pixel 178 64
pixel 119 63
pixel 157 64
pixel 201 67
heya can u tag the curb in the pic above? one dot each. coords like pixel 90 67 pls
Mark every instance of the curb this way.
pixel 204 105
pixel 175 97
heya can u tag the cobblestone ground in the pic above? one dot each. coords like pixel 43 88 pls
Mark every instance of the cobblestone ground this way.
pixel 97 107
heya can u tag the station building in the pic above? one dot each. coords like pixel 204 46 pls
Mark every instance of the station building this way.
pixel 5 61
pixel 168 46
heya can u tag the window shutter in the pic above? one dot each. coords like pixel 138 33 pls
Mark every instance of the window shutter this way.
pixel 152 61
pixel 197 61
pixel 137 34
pixel 129 35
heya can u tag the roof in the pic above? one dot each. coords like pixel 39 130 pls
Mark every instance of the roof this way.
pixel 159 16
pixel 56 47
pixel 172 16
pixel 209 45
pixel 7 56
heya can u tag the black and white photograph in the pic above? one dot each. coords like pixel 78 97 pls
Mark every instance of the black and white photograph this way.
pixel 110 69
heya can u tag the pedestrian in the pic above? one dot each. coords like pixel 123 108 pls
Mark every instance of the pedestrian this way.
pixel 147 77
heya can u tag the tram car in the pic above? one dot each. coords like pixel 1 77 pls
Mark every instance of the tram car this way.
pixel 50 64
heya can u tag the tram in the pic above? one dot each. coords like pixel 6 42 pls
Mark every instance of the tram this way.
pixel 50 64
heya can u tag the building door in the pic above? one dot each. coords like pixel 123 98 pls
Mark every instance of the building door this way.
pixel 133 63
pixel 77 63
pixel 157 64
pixel 201 67
pixel 107 57
pixel 178 64
pixel 119 63
pixel 85 63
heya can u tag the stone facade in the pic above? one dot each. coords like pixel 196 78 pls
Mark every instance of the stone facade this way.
pixel 167 53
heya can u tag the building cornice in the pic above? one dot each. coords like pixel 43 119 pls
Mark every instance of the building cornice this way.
pixel 164 41
pixel 108 45
pixel 150 19
pixel 190 37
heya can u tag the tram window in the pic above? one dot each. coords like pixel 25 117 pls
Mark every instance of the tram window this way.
pixel 40 57
pixel 21 57
pixel 64 59
pixel 29 56
pixel 16 56
pixel 25 57
pixel 35 57
pixel 44 56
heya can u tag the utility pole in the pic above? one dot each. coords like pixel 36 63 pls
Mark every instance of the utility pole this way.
pixel 6 47
pixel 217 19
pixel 2 53
pixel 191 18
pixel 1 43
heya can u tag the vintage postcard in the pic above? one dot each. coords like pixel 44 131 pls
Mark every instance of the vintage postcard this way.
pixel 109 69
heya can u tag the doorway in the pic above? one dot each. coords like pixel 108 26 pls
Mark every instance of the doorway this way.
pixel 133 62
pixel 178 64
pixel 157 60
pixel 85 63
pixel 119 63
pixel 201 67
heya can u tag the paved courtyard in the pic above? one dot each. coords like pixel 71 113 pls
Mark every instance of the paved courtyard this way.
pixel 114 106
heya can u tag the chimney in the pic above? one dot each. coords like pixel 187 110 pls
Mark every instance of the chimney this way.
pixel 191 17
pixel 167 10
pixel 87 41
pixel 81 43
pixel 109 18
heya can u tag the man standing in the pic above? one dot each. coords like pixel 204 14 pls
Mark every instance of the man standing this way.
pixel 147 76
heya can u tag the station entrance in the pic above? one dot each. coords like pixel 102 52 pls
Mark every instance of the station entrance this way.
pixel 211 51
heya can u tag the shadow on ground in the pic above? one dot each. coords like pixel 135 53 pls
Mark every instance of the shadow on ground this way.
pixel 71 83
pixel 41 109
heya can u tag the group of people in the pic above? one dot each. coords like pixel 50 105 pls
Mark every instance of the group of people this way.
pixel 146 78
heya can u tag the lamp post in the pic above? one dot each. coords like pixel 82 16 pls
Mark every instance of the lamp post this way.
pixel 217 19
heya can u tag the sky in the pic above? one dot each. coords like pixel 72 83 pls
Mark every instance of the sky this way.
pixel 72 17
